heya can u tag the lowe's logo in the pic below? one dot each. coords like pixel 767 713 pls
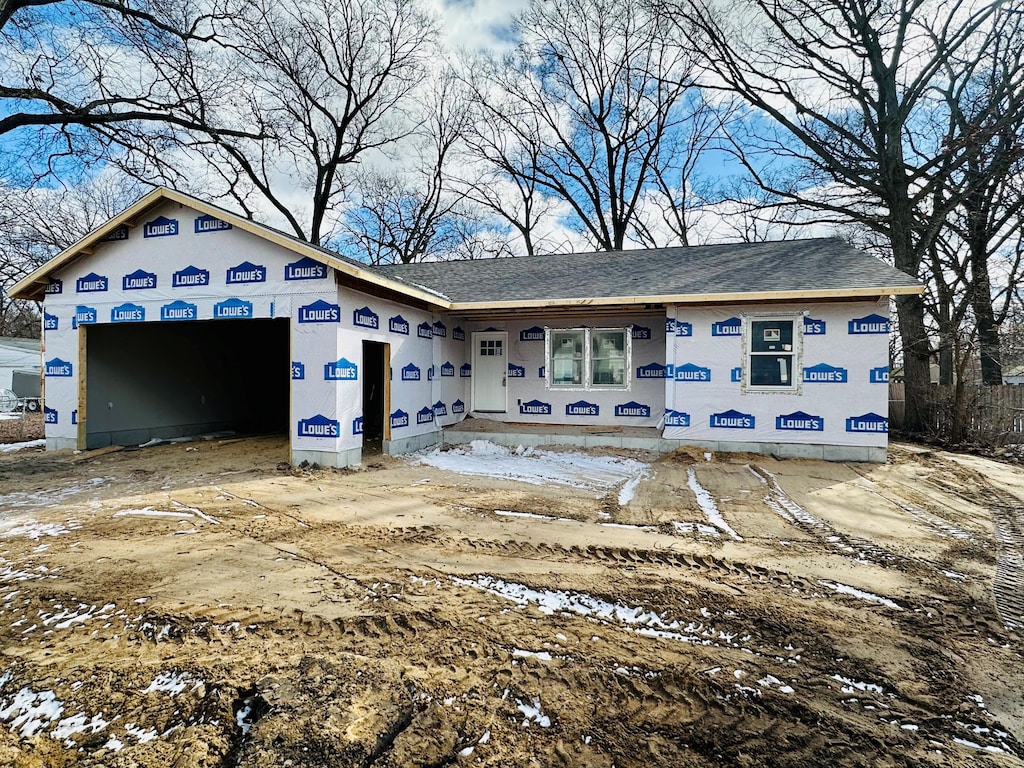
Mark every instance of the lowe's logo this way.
pixel 138 280
pixel 160 227
pixel 50 415
pixel 458 407
pixel 633 410
pixel 50 322
pixel 232 308
pixel 736 374
pixel 319 426
pixel 247 272
pixel 410 373
pixel 190 277
pixel 651 371
pixel 458 334
pixel 532 334
pixel 641 333
pixel 116 234
pixel 447 369
pixel 58 367
pixel 298 370
pixel 822 373
pixel 179 310
pixel 91 283
pixel 869 422
pixel 424 331
pixel 676 418
pixel 320 311
pixel 430 373
pixel 731 327
pixel 54 286
pixel 869 324
pixel 357 425
pixel 465 371
pixel 425 415
pixel 440 409
pixel 684 329
pixel 516 371
pixel 798 421
pixel 306 268
pixel 691 372
pixel 582 408
pixel 732 419
pixel 365 318
pixel 439 329
pixel 128 313
pixel 341 370
pixel 814 327
pixel 399 419
pixel 399 324
pixel 533 408
pixel 880 375
pixel 84 315
pixel 670 325
pixel 207 223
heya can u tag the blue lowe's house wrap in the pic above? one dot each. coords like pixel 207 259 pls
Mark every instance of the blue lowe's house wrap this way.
pixel 765 346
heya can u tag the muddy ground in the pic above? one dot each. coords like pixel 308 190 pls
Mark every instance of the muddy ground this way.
pixel 209 605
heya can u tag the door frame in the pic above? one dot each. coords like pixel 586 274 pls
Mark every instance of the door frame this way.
pixel 477 336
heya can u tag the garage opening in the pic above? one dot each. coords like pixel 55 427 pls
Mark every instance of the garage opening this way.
pixel 164 380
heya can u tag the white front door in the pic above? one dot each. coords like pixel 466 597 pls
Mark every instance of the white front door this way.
pixel 490 368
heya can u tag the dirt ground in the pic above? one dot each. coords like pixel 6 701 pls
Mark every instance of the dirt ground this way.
pixel 206 604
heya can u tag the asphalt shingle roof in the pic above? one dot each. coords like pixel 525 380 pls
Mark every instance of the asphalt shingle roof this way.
pixel 792 265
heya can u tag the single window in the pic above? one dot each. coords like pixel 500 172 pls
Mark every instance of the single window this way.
pixel 588 358
pixel 772 350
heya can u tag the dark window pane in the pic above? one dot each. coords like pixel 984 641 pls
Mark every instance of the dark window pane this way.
pixel 771 370
pixel 771 336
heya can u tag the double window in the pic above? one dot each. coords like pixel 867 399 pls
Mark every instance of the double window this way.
pixel 771 354
pixel 588 358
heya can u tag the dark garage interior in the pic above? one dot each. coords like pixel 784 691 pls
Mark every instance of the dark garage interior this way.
pixel 172 379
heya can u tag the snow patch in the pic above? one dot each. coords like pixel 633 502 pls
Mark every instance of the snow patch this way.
pixel 708 506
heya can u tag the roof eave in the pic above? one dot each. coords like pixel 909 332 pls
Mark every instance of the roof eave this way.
pixel 693 298
pixel 34 285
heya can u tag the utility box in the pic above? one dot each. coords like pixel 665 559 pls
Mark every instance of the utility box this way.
pixel 26 384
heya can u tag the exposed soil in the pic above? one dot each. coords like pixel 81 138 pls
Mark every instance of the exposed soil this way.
pixel 390 616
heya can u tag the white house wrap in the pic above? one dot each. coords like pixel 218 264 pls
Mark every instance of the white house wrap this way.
pixel 178 318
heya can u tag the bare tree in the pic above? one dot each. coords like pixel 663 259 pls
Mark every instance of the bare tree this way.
pixel 985 99
pixel 72 72
pixel 582 111
pixel 844 91
pixel 409 209
pixel 37 224
pixel 330 82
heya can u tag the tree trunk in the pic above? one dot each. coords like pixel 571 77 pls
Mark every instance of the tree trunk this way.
pixel 916 359
pixel 988 329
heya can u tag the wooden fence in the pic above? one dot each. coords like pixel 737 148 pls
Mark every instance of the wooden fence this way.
pixel 990 414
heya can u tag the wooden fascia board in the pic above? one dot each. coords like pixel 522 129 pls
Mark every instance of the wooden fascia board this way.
pixel 692 298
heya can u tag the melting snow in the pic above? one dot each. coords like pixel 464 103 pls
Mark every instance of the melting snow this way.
pixel 150 512
pixel 596 474
pixel 708 506
pixel 11 447
pixel 170 682
pixel 845 589
pixel 533 713
pixel 31 529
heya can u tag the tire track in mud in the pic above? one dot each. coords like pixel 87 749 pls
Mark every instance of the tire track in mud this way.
pixel 849 546
pixel 1008 517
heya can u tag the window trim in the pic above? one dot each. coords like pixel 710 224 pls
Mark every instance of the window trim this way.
pixel 796 387
pixel 588 360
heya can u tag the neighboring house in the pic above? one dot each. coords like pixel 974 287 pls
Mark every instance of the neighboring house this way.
pixel 177 317
pixel 17 355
